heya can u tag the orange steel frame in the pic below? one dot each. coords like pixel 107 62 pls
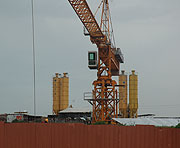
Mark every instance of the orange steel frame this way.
pixel 105 98
pixel 104 94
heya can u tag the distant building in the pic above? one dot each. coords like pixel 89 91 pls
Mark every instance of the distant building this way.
pixel 72 115
pixel 3 117
pixel 19 117
pixel 156 121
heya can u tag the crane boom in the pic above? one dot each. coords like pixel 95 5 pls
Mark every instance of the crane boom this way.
pixel 87 18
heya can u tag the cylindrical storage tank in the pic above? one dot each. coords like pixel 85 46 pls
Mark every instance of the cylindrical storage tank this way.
pixel 123 94
pixel 133 94
pixel 64 92
pixel 56 94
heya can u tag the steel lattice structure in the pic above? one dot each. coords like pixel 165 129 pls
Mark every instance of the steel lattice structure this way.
pixel 105 97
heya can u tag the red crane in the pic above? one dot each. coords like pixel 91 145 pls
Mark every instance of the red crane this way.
pixel 105 97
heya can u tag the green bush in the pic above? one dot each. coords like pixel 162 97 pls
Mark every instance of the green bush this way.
pixel 17 121
pixel 177 126
pixel 99 123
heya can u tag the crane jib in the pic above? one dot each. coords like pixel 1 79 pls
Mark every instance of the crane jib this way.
pixel 87 18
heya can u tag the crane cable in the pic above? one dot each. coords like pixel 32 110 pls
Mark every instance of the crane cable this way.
pixel 98 8
pixel 33 52
pixel 112 31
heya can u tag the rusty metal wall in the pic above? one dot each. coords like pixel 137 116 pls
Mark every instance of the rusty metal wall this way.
pixel 1 134
pixel 54 135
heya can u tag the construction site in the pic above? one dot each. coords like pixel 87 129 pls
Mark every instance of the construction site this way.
pixel 112 120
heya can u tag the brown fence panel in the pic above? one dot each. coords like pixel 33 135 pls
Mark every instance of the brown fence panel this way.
pixel 146 136
pixel 70 139
pixel 170 140
pixel 68 135
pixel 177 138
pixel 167 138
pixel 2 134
pixel 165 134
pixel 60 135
pixel 43 135
pixel 19 135
pixel 54 135
pixel 92 140
pixel 122 137
pixel 81 136
pixel 129 136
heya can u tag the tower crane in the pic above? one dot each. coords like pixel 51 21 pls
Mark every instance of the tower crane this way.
pixel 107 60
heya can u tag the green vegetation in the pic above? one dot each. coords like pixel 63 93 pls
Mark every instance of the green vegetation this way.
pixel 17 121
pixel 107 123
pixel 99 123
pixel 177 126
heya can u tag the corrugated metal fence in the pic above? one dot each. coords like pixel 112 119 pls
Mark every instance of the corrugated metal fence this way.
pixel 54 135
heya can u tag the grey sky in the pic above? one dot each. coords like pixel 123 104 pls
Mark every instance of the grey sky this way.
pixel 147 32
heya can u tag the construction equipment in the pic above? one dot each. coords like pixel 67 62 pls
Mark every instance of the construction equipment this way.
pixel 60 92
pixel 104 95
pixel 123 106
pixel 128 110
pixel 133 95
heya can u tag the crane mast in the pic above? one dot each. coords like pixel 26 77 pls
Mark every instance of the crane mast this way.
pixel 104 95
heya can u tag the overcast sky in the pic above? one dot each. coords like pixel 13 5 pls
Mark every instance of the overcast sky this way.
pixel 146 31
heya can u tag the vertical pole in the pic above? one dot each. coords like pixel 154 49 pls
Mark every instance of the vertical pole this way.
pixel 34 60
pixel 116 104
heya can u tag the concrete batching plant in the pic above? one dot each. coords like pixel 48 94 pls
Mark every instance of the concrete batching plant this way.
pixel 60 92
pixel 123 95
pixel 125 109
pixel 133 94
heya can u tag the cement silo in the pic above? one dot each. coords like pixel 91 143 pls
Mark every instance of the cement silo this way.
pixel 123 94
pixel 133 94
pixel 56 94
pixel 64 92
pixel 60 93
